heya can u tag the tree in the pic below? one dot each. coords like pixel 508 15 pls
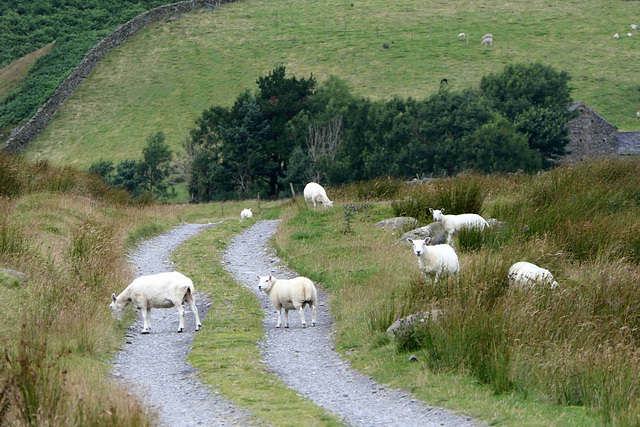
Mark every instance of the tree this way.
pixel 498 147
pixel 280 99
pixel 546 130
pixel 156 163
pixel 520 87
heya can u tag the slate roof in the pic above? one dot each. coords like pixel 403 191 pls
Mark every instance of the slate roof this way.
pixel 628 142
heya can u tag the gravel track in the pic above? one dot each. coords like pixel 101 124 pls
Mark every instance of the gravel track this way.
pixel 154 366
pixel 304 358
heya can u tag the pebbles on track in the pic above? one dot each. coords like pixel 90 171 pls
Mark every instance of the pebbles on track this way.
pixel 155 366
pixel 304 358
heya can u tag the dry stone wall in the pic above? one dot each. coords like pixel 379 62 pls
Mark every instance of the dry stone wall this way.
pixel 30 130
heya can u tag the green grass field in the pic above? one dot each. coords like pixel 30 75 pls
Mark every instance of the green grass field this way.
pixel 164 77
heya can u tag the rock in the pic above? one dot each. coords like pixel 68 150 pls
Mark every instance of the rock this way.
pixel 12 278
pixel 494 223
pixel 396 223
pixel 435 231
pixel 418 317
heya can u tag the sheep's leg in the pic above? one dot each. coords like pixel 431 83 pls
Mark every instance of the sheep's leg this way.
pixel 192 303
pixel 286 318
pixel 146 315
pixel 313 314
pixel 181 311
pixel 279 310
pixel 302 319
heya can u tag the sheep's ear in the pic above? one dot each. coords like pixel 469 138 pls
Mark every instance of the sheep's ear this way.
pixel 431 210
pixel 427 240
pixel 410 241
pixel 113 297
pixel 442 210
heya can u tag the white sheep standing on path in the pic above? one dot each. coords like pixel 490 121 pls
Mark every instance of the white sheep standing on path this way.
pixel 290 294
pixel 163 290
pixel 246 213
pixel 314 193
pixel 526 275
pixel 454 223
pixel 436 260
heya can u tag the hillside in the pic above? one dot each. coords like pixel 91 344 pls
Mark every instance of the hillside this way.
pixel 169 73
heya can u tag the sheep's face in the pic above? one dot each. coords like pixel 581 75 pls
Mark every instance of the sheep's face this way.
pixel 117 310
pixel 329 204
pixel 418 246
pixel 437 214
pixel 265 283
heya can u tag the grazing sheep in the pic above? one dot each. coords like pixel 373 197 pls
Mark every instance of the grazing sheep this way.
pixel 487 36
pixel 246 213
pixel 163 290
pixel 314 193
pixel 290 294
pixel 436 260
pixel 487 41
pixel 462 36
pixel 616 36
pixel 634 27
pixel 527 275
pixel 454 223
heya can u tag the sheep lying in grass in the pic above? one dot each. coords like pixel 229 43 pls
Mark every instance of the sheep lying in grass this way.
pixel 436 260
pixel 290 294
pixel 163 290
pixel 528 275
pixel 454 223
pixel 314 193
pixel 246 213
pixel 634 27
pixel 616 36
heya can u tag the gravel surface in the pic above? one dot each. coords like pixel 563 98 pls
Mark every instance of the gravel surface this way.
pixel 304 358
pixel 155 366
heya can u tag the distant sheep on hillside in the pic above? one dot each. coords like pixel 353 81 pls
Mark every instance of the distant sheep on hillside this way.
pixel 462 36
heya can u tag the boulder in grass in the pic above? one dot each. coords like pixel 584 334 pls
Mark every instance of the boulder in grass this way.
pixel 397 223
pixel 435 232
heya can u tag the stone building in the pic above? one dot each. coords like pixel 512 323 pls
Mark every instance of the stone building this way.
pixel 594 136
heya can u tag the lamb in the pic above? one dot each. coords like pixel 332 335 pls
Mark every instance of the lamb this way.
pixel 436 260
pixel 454 223
pixel 314 193
pixel 487 41
pixel 629 34
pixel 462 36
pixel 616 36
pixel 290 294
pixel 525 274
pixel 487 36
pixel 246 213
pixel 163 290
pixel 634 27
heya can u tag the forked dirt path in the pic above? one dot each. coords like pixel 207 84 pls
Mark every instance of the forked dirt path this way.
pixel 155 366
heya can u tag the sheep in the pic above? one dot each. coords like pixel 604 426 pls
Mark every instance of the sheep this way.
pixel 163 290
pixel 487 41
pixel 462 36
pixel 454 223
pixel 246 213
pixel 487 36
pixel 629 34
pixel 616 36
pixel 290 294
pixel 525 274
pixel 314 193
pixel 634 27
pixel 436 260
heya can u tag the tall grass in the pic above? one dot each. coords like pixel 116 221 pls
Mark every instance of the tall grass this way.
pixel 575 345
pixel 62 229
